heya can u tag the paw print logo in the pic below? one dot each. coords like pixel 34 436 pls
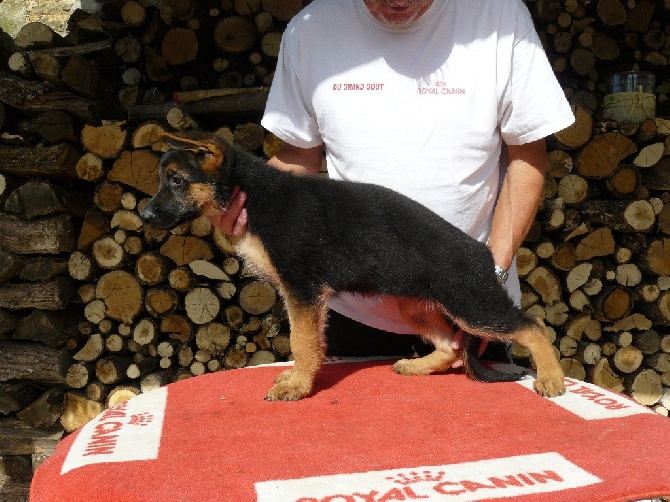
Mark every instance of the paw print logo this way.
pixel 141 419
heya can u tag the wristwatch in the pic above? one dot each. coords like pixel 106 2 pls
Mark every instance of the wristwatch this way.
pixel 501 275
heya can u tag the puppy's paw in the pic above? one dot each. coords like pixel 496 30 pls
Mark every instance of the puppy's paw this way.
pixel 289 386
pixel 412 367
pixel 549 387
pixel 286 392
pixel 284 376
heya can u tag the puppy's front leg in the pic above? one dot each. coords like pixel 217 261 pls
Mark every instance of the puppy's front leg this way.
pixel 307 323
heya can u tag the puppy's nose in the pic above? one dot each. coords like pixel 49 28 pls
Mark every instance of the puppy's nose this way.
pixel 147 215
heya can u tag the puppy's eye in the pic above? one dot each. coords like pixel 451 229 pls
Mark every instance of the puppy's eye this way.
pixel 176 180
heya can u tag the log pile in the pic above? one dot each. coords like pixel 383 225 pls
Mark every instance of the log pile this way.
pixel 596 266
pixel 154 306
pixel 95 307
pixel 36 236
pixel 588 40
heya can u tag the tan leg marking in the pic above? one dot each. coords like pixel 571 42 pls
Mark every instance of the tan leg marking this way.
pixel 307 345
pixel 307 321
pixel 550 377
pixel 432 363
pixel 429 321
pixel 251 249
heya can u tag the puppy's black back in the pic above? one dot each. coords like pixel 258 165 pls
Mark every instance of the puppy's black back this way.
pixel 365 238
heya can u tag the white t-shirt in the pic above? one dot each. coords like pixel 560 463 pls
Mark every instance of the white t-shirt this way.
pixel 423 110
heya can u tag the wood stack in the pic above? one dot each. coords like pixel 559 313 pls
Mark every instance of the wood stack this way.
pixel 596 265
pixel 80 115
pixel 36 236
pixel 588 40
pixel 79 157
pixel 153 306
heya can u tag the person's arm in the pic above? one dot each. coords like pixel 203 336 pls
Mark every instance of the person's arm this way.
pixel 298 160
pixel 290 158
pixel 518 201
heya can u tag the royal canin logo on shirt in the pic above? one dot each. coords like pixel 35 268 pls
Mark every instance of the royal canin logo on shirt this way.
pixel 440 87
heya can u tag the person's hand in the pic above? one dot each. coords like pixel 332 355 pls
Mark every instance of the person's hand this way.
pixel 456 343
pixel 232 220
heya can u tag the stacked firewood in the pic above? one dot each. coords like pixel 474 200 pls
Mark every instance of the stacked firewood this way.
pixel 596 266
pixel 38 207
pixel 79 115
pixel 154 307
pixel 597 262
pixel 589 40
pixel 96 307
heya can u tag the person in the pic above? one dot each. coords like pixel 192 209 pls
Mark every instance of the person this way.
pixel 445 101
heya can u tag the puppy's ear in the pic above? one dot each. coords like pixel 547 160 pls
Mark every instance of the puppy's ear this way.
pixel 209 146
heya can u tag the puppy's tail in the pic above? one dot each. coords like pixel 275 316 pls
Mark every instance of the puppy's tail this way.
pixel 476 370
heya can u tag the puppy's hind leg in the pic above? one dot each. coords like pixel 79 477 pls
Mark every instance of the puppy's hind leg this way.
pixel 428 320
pixel 550 376
pixel 307 322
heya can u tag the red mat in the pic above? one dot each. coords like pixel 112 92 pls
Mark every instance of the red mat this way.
pixel 366 435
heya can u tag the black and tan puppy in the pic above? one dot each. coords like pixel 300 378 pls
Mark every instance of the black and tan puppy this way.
pixel 312 237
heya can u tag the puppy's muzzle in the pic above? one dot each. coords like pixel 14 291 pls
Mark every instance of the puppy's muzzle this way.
pixel 153 216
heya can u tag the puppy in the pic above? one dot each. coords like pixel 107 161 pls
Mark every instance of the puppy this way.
pixel 312 237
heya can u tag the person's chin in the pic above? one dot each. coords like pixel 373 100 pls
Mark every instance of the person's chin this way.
pixel 397 17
